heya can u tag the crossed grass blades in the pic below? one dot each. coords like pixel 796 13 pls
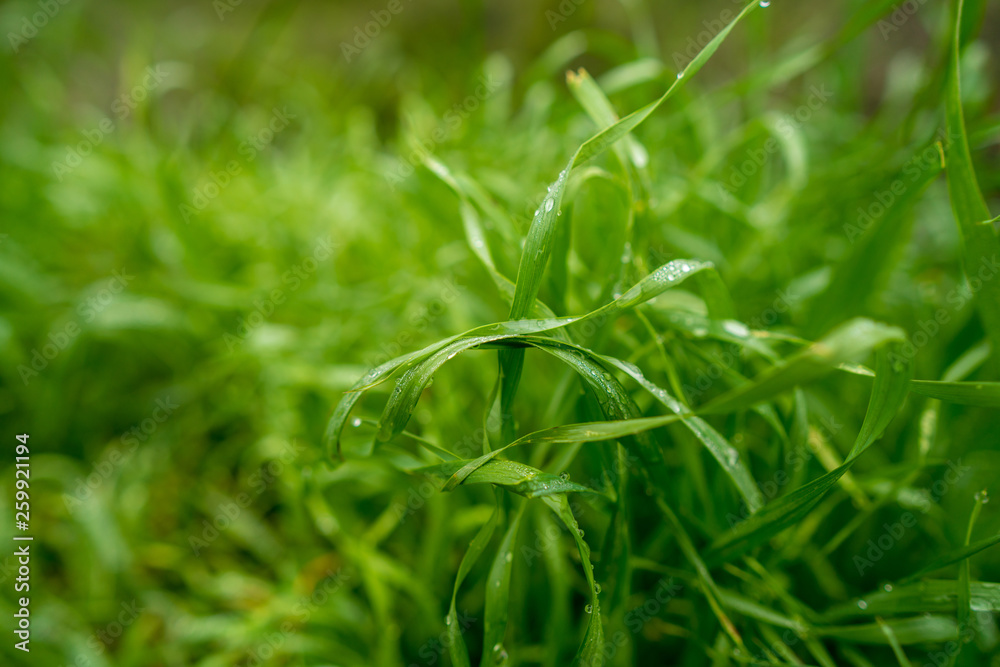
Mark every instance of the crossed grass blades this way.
pixel 618 429
pixel 723 315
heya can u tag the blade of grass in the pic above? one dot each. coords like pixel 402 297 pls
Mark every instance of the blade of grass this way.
pixel 981 249
pixel 887 396
pixel 498 595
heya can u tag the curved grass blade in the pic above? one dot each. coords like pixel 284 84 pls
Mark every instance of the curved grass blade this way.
pixel 567 434
pixel 887 396
pixel 335 427
pixel 517 477
pixel 539 241
pixel 409 387
pixel 720 449
pixel 599 108
pixel 981 249
pixel 847 343
pixel 590 649
pixel 954 556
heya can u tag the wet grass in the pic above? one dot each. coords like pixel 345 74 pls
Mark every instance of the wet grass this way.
pixel 633 356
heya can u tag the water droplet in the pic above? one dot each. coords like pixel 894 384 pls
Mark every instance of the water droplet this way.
pixel 497 647
pixel 597 587
pixel 447 620
pixel 862 605
pixel 765 3
pixel 887 588
pixel 736 328
pixel 589 609
pixel 580 531
pixel 356 422
pixel 680 75
pixel 732 457
pixel 983 497
pixel 565 476
pixel 549 204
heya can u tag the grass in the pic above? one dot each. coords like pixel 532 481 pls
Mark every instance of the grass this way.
pixel 638 349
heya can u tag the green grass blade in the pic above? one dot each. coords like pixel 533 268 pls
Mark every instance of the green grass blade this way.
pixel 498 595
pixel 984 394
pixel 931 595
pixel 887 396
pixel 457 649
pixel 954 556
pixel 590 649
pixel 517 477
pixel 890 636
pixel 920 630
pixel 981 249
pixel 727 456
pixel 848 343
pixel 538 244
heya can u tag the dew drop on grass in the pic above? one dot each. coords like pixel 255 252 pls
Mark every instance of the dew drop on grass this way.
pixel 447 620
pixel 597 587
pixel 548 205
pixel 765 3
pixel 580 531
pixel 983 497
pixel 736 328
pixel 680 75
pixel 356 422
pixel 887 588
pixel 589 608
pixel 862 605
pixel 565 476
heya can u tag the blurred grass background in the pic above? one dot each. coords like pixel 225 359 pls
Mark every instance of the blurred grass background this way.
pixel 210 229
